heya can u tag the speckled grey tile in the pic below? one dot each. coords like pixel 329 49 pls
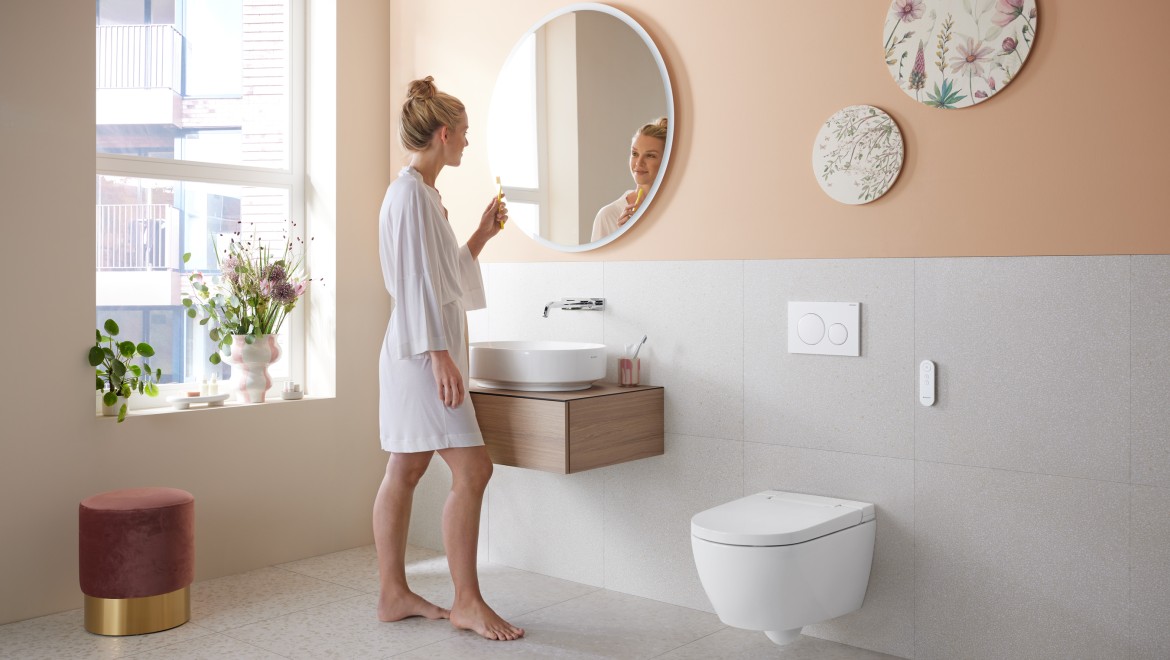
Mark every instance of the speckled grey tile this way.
pixel 1016 565
pixel 857 404
pixel 548 523
pixel 885 621
pixel 1151 370
pixel 648 508
pixel 519 292
pixel 1150 574
pixel 692 312
pixel 426 517
pixel 61 636
pixel 510 591
pixel 357 568
pixel 346 630
pixel 211 647
pixel 603 624
pixel 237 600
pixel 534 645
pixel 1033 363
pixel 736 644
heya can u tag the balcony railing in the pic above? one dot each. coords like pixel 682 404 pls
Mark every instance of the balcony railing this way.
pixel 139 57
pixel 135 236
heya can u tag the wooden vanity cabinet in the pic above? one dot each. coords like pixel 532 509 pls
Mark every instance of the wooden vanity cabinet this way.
pixel 568 432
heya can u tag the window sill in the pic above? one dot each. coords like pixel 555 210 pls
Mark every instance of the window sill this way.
pixel 201 407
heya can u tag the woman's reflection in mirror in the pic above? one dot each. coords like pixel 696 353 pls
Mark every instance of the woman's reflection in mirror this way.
pixel 646 150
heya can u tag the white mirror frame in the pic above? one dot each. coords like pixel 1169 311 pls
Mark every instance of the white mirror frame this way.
pixel 618 14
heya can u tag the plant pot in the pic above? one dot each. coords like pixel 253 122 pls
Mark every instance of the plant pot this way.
pixel 250 379
pixel 112 411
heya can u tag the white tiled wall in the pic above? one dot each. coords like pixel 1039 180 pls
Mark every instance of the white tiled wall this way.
pixel 1021 516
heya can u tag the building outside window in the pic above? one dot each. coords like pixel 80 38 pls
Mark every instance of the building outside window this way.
pixel 199 136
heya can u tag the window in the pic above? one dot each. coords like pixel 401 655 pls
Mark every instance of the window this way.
pixel 514 121
pixel 199 135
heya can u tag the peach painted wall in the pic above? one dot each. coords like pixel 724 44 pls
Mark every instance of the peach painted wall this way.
pixel 1068 159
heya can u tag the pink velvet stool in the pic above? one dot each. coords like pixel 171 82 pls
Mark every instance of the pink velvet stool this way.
pixel 137 559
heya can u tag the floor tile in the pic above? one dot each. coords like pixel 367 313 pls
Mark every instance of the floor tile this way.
pixel 357 568
pixel 266 593
pixel 346 630
pixel 61 636
pixel 603 624
pixel 535 645
pixel 736 644
pixel 211 647
pixel 510 591
pixel 325 607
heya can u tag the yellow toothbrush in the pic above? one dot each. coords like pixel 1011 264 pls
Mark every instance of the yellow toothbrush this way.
pixel 499 198
pixel 638 199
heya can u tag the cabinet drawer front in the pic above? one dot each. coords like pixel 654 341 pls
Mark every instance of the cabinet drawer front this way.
pixel 527 433
pixel 613 429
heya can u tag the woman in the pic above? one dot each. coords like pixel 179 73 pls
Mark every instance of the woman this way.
pixel 423 403
pixel 646 151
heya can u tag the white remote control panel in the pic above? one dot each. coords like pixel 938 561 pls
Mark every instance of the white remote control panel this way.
pixel 926 374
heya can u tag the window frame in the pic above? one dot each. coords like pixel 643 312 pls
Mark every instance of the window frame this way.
pixel 292 180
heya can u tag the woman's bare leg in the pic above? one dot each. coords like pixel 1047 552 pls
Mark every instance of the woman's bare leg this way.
pixel 471 468
pixel 391 522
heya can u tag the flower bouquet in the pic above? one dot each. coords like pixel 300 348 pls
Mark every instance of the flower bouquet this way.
pixel 258 286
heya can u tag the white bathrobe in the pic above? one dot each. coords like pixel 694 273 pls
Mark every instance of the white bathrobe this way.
pixel 433 281
pixel 606 220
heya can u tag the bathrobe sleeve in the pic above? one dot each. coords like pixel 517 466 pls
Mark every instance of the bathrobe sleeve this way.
pixel 411 250
pixel 471 281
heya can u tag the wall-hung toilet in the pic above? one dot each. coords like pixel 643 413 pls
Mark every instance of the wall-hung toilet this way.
pixel 777 561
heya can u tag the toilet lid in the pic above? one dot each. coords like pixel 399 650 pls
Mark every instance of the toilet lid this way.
pixel 778 518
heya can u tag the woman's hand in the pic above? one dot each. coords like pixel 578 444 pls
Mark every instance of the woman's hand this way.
pixel 494 217
pixel 633 200
pixel 490 224
pixel 447 378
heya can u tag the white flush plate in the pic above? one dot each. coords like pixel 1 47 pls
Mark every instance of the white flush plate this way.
pixel 824 328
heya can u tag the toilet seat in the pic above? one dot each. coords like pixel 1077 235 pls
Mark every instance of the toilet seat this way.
pixel 774 518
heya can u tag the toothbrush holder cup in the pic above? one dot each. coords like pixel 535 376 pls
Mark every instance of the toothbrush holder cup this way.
pixel 629 371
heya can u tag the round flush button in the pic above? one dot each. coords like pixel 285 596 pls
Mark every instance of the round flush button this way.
pixel 811 329
pixel 838 334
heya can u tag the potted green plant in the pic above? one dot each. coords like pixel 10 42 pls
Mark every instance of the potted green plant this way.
pixel 117 377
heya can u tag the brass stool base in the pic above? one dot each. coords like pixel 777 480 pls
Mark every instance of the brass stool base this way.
pixel 137 616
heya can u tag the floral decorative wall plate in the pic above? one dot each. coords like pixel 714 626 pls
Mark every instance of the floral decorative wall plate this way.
pixel 858 154
pixel 956 53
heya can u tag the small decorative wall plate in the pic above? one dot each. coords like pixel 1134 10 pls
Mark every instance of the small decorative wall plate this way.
pixel 184 402
pixel 858 154
pixel 956 53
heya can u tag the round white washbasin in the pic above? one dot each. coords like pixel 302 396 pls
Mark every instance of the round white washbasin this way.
pixel 537 366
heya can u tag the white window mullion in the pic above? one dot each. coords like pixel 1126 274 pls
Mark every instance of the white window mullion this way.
pixel 183 170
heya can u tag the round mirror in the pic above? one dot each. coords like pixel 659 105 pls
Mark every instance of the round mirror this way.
pixel 580 127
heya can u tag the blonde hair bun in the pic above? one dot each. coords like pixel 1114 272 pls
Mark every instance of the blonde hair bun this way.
pixel 424 111
pixel 422 89
pixel 655 129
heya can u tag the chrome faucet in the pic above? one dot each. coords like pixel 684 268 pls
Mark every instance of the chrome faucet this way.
pixel 575 303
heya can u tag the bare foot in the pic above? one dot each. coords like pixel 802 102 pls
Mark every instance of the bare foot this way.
pixel 396 608
pixel 480 618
